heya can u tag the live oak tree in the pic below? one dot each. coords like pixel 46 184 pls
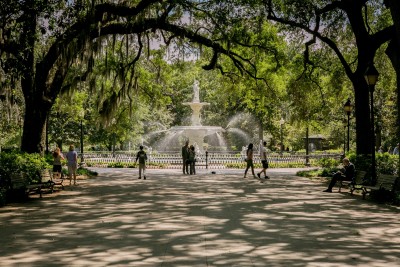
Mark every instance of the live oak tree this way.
pixel 324 24
pixel 44 43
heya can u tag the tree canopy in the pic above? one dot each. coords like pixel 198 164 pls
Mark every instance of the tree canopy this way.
pixel 106 49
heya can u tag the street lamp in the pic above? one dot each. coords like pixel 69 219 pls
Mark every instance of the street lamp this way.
pixel 82 156
pixel 307 147
pixel 344 137
pixel 348 108
pixel 281 122
pixel 47 134
pixel 371 77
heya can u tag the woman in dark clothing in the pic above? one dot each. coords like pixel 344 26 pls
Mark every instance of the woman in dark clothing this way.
pixel 249 160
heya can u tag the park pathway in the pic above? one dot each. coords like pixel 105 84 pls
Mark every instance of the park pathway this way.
pixel 172 220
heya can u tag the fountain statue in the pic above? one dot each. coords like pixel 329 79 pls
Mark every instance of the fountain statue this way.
pixel 196 132
pixel 196 92
pixel 195 105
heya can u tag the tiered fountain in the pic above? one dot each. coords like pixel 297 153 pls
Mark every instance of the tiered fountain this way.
pixel 196 132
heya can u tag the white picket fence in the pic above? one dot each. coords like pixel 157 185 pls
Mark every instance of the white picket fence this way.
pixel 210 160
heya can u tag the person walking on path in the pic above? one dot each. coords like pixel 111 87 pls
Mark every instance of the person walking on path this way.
pixel 249 160
pixel 142 157
pixel 346 174
pixel 72 158
pixel 264 161
pixel 185 157
pixel 57 157
pixel 192 160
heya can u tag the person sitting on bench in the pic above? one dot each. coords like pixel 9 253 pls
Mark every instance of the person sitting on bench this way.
pixel 346 174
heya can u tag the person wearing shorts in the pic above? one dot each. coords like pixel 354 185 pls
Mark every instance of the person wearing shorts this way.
pixel 57 157
pixel 264 161
pixel 142 157
pixel 249 160
pixel 72 158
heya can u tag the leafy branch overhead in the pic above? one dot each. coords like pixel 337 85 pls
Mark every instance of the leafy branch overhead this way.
pixel 48 48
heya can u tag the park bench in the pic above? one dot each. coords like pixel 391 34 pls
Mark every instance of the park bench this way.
pixel 49 179
pixel 355 184
pixel 56 178
pixel 18 181
pixel 383 181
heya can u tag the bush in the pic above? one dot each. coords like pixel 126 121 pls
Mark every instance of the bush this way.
pixel 29 164
pixel 84 171
pixel 328 162
pixel 385 162
pixel 309 173
pixel 326 172
pixel 16 162
pixel 115 165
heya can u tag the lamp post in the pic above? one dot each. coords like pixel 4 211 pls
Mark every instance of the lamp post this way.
pixel 82 115
pixel 281 122
pixel 348 108
pixel 344 137
pixel 47 135
pixel 82 156
pixel 307 148
pixel 371 76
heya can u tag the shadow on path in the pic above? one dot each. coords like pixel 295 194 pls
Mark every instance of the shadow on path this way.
pixel 203 220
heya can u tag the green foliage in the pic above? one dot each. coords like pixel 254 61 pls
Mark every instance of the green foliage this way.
pixel 387 163
pixel 122 164
pixel 361 162
pixel 116 165
pixel 328 162
pixel 85 171
pixel 29 164
pixel 309 173
pixel 325 172
pixel 242 165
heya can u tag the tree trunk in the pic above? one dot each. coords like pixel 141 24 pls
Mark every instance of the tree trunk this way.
pixel 34 130
pixel 362 113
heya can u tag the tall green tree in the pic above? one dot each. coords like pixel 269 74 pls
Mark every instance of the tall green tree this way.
pixel 342 27
pixel 40 42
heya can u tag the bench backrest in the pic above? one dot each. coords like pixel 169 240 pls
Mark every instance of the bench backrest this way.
pixel 386 181
pixel 18 180
pixel 45 176
pixel 396 185
pixel 359 177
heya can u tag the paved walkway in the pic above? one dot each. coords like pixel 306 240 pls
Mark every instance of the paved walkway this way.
pixel 203 220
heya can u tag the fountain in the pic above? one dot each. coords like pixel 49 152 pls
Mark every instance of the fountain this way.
pixel 196 132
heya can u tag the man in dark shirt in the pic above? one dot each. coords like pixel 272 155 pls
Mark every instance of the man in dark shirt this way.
pixel 185 157
pixel 347 174
pixel 142 157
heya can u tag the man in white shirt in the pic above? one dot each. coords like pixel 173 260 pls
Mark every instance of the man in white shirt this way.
pixel 264 161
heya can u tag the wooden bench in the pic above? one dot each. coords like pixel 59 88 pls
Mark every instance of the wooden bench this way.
pixel 56 178
pixel 19 182
pixel 355 184
pixel 50 179
pixel 383 181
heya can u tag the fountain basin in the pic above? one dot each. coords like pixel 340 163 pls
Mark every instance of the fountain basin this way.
pixel 196 134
